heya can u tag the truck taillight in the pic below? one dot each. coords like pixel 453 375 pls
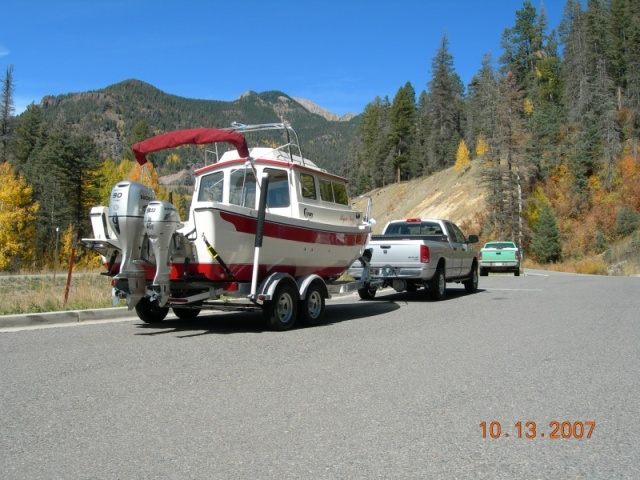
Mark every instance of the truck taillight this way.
pixel 479 255
pixel 517 254
pixel 425 255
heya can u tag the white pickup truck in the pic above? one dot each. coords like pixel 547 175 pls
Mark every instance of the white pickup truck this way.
pixel 415 252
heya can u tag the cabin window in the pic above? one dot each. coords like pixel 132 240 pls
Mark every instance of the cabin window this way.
pixel 308 186
pixel 326 192
pixel 278 192
pixel 211 187
pixel 242 188
pixel 333 192
pixel 340 193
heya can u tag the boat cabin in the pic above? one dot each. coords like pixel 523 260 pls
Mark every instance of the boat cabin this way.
pixel 297 187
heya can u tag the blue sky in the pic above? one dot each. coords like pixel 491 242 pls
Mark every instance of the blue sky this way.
pixel 338 54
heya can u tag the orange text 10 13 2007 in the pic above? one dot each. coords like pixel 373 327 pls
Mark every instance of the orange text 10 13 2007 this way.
pixel 554 430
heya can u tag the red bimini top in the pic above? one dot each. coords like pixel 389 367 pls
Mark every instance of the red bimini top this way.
pixel 192 136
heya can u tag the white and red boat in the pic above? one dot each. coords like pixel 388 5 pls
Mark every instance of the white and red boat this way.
pixel 260 219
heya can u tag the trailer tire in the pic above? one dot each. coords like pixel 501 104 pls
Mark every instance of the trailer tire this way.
pixel 150 312
pixel 311 308
pixel 280 313
pixel 186 313
pixel 366 292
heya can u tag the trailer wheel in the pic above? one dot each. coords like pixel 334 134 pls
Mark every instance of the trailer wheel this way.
pixel 186 313
pixel 311 309
pixel 150 312
pixel 280 313
pixel 439 284
pixel 366 292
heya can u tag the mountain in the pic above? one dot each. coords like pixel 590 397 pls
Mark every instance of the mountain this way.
pixel 317 109
pixel 109 115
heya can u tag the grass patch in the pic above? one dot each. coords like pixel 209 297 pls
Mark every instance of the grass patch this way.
pixel 40 293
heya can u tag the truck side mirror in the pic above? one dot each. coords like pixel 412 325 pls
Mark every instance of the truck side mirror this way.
pixel 472 239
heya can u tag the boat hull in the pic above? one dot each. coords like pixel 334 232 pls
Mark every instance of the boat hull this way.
pixel 295 246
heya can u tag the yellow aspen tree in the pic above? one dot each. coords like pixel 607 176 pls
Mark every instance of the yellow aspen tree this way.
pixel 462 157
pixel 482 147
pixel 107 175
pixel 527 106
pixel 17 219
pixel 148 176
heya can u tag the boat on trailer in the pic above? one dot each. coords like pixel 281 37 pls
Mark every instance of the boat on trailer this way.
pixel 267 229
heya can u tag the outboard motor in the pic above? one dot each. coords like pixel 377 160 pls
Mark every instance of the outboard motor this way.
pixel 128 203
pixel 161 220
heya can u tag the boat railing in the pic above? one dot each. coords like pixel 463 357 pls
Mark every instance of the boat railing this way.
pixel 288 129
pixel 292 145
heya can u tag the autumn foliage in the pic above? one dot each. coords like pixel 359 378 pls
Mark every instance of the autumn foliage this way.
pixel 17 217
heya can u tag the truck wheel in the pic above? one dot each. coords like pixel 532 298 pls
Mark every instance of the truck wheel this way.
pixel 366 292
pixel 439 284
pixel 150 312
pixel 484 272
pixel 471 285
pixel 280 313
pixel 311 309
pixel 186 313
pixel 517 272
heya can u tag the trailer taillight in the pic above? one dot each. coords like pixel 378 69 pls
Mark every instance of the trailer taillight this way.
pixel 425 255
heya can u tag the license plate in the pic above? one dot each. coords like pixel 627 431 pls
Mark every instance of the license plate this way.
pixel 498 264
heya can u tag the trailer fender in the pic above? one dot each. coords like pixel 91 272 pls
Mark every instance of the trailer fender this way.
pixel 267 288
pixel 306 281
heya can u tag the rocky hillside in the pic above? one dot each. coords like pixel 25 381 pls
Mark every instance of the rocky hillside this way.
pixel 460 197
pixel 456 196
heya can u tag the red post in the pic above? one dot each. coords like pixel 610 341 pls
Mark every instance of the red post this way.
pixel 74 243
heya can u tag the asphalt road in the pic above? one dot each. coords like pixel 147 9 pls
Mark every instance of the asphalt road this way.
pixel 394 388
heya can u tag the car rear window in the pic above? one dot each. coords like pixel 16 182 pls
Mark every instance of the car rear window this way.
pixel 414 228
pixel 500 245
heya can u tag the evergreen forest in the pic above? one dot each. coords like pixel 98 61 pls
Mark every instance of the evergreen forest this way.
pixel 553 124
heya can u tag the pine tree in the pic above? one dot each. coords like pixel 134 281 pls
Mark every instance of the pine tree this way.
pixel 29 134
pixel 402 117
pixel 6 111
pixel 523 45
pixel 546 244
pixel 482 101
pixel 139 133
pixel 445 107
pixel 422 131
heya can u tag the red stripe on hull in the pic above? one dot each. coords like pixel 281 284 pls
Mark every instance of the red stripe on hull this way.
pixel 298 234
pixel 243 273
